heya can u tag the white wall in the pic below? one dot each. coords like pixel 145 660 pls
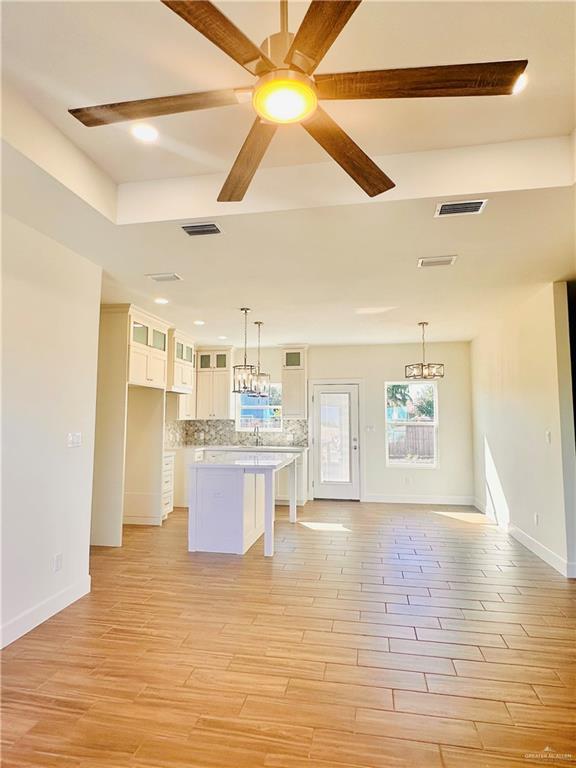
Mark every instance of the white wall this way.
pixel 50 317
pixel 523 424
pixel 452 480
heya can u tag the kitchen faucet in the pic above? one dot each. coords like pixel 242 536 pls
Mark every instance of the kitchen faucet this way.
pixel 257 434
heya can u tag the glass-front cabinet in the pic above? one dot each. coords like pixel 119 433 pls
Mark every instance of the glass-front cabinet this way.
pixel 148 340
pixel 181 362
pixel 214 379
pixel 214 360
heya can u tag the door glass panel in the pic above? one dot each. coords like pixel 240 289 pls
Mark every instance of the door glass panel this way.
pixel 221 360
pixel 292 359
pixel 179 350
pixel 334 437
pixel 158 340
pixel 205 361
pixel 139 333
pixel 189 356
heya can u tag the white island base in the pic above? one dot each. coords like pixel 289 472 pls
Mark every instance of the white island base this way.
pixel 231 501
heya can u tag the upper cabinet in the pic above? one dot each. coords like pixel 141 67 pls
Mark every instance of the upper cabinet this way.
pixel 214 360
pixel 148 349
pixel 214 384
pixel 294 379
pixel 181 363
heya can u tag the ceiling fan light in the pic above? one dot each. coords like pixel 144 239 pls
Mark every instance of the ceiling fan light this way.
pixel 285 97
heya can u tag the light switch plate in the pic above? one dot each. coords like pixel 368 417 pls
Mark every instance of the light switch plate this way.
pixel 74 439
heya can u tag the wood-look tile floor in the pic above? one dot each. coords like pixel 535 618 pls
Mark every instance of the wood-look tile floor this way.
pixel 377 636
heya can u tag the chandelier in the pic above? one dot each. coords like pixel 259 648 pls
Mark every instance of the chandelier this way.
pixel 261 379
pixel 243 376
pixel 424 370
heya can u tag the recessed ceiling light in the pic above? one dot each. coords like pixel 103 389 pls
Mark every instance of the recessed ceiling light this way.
pixel 373 310
pixel 198 322
pixel 144 132
pixel 520 84
pixel 222 338
pixel 160 301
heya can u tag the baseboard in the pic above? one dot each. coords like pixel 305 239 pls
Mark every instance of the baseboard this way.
pixel 465 501
pixel 31 618
pixel 558 563
pixel 283 501
pixel 141 520
pixel 480 506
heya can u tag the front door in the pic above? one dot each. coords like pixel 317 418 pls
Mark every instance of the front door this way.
pixel 335 441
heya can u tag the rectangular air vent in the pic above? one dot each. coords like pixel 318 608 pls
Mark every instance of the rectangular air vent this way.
pixel 460 207
pixel 206 228
pixel 164 277
pixel 436 261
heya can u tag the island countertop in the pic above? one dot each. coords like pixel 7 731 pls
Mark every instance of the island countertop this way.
pixel 245 459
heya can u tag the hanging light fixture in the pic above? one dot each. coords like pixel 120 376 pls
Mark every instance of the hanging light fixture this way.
pixel 244 374
pixel 424 370
pixel 261 379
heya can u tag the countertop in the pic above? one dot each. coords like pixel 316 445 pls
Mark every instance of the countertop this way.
pixel 254 458
pixel 249 448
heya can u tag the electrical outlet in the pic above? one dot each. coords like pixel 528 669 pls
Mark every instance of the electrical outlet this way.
pixel 74 439
pixel 56 562
pixel 548 437
pixel 536 518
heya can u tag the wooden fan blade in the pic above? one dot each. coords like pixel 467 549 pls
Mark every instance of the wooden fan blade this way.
pixel 347 153
pixel 210 22
pixel 163 105
pixel 247 162
pixel 495 78
pixel 323 22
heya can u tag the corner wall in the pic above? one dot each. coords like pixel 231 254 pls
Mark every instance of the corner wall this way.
pixel 50 298
pixel 524 455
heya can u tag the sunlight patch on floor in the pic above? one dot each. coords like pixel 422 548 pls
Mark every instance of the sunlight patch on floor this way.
pixel 464 517
pixel 326 527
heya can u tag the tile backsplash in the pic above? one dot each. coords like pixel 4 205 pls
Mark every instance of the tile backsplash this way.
pixel 223 432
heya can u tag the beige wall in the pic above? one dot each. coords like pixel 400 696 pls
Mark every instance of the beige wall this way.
pixel 50 299
pixel 523 425
pixel 452 480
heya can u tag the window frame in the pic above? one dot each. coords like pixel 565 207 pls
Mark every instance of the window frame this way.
pixel 395 464
pixel 256 406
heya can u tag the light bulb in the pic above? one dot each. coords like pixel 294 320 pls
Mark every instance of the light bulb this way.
pixel 285 97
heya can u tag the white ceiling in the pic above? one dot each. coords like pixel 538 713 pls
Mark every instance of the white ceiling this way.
pixel 69 54
pixel 307 272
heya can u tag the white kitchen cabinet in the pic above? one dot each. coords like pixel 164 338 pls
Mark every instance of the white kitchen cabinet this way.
pixel 294 380
pixel 214 384
pixel 180 407
pixel 167 483
pixel 181 362
pixel 147 362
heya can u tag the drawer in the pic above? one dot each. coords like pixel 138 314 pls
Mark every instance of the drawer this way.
pixel 168 462
pixel 167 503
pixel 167 483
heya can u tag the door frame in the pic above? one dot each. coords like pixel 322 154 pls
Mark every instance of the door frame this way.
pixel 361 429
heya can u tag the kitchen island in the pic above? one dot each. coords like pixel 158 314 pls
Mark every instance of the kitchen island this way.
pixel 231 500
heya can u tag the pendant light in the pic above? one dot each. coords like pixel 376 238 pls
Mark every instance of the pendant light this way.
pixel 424 370
pixel 261 380
pixel 244 374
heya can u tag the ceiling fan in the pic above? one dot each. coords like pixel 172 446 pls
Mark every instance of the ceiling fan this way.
pixel 287 91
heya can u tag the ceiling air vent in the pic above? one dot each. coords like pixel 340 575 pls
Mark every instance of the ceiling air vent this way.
pixel 436 261
pixel 164 277
pixel 460 207
pixel 207 228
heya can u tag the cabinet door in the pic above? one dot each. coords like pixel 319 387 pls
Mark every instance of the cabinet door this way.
pixel 156 370
pixel 140 333
pixel 220 360
pixel 187 376
pixel 204 395
pixel 294 394
pixel 186 407
pixel 138 365
pixel 221 395
pixel 293 358
pixel 204 361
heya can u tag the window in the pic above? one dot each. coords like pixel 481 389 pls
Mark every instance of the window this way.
pixel 411 424
pixel 262 412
